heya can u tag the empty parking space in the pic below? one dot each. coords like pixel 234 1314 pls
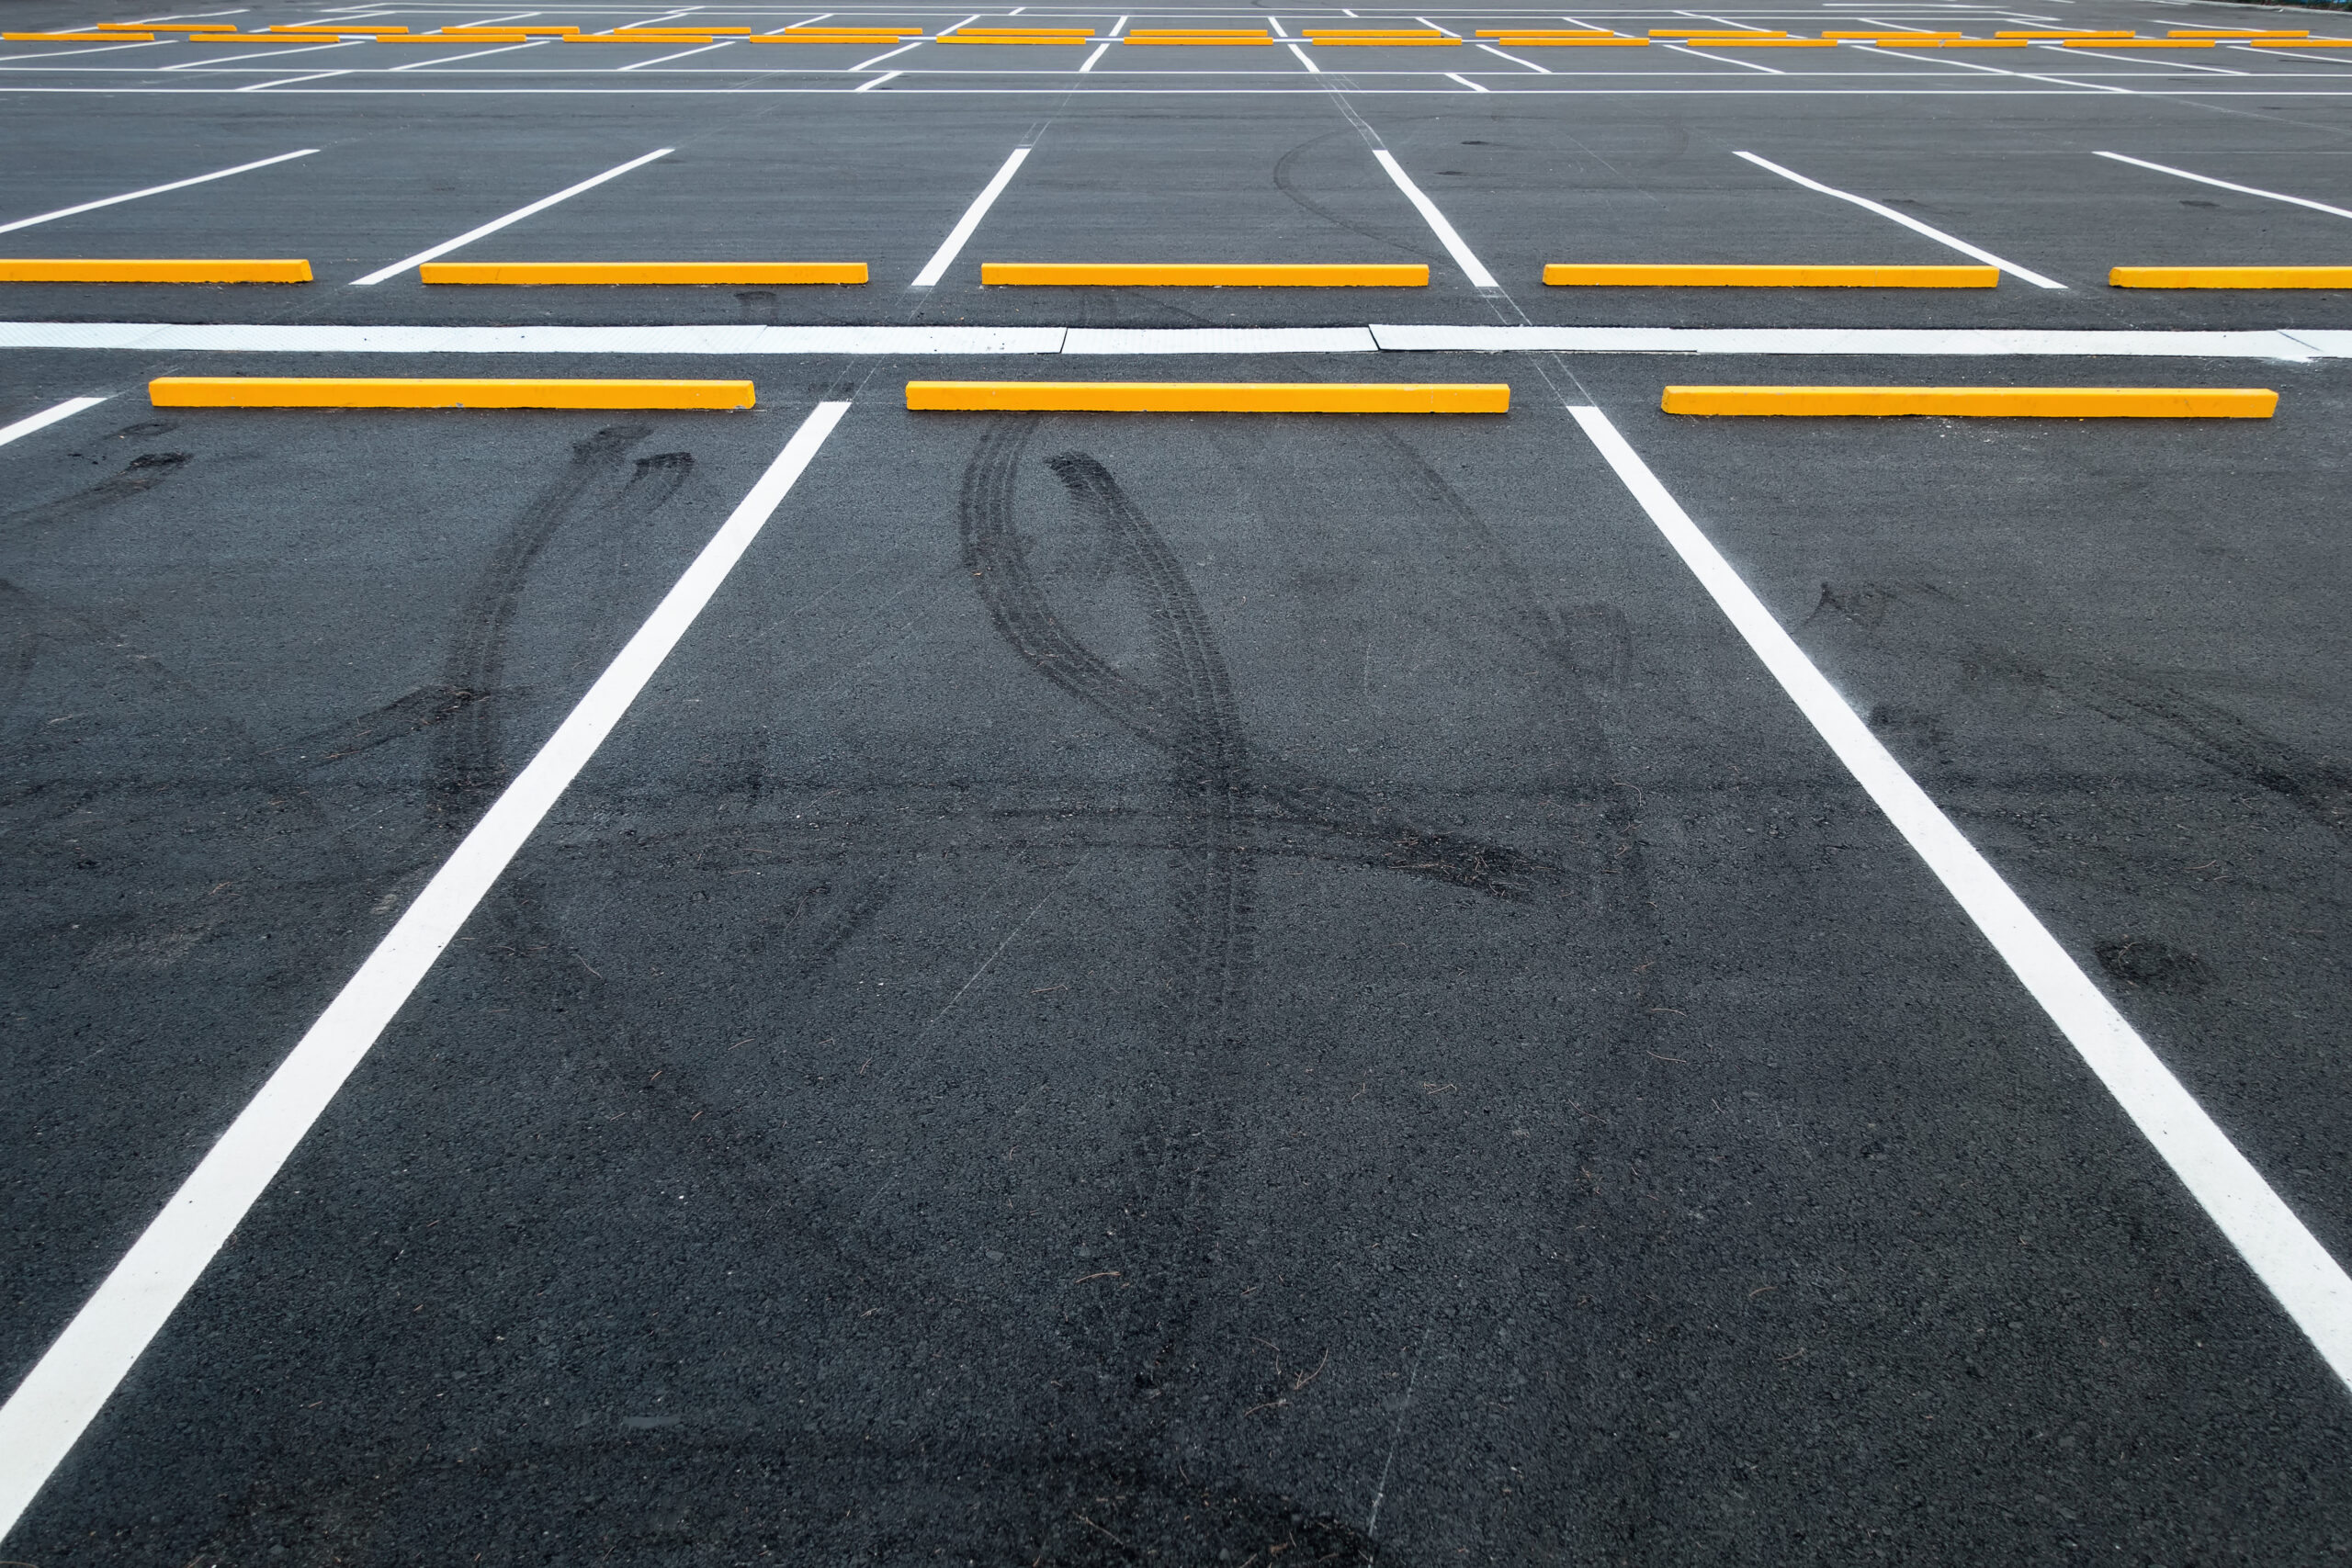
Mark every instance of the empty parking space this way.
pixel 897 880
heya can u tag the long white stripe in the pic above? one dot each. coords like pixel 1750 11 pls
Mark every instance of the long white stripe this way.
pixel 46 418
pixel 72 1382
pixel 495 224
pixel 1475 269
pixel 151 190
pixel 941 258
pixel 1962 246
pixel 2283 1254
pixel 2225 185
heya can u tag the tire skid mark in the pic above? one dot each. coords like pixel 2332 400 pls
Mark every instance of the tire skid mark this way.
pixel 138 477
pixel 469 762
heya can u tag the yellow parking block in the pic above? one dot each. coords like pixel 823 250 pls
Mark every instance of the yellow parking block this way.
pixel 2234 32
pixel 670 32
pixel 171 28
pixel 1209 274
pixel 2230 277
pixel 1571 42
pixel 1381 43
pixel 1709 276
pixel 1038 39
pixel 1206 397
pixel 1216 40
pixel 331 32
pixel 805 35
pixel 533 273
pixel 1544 32
pixel 1886 33
pixel 2063 33
pixel 2017 403
pixel 2300 44
pixel 1756 43
pixel 208 270
pixel 405 392
pixel 1971 43
pixel 78 38
pixel 1715 32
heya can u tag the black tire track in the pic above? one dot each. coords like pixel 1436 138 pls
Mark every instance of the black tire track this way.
pixel 470 764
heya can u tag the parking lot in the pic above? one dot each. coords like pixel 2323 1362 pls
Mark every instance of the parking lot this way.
pixel 827 983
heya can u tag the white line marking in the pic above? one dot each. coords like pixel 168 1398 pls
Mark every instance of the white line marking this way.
pixel 2283 1254
pixel 46 418
pixel 264 54
pixel 866 64
pixel 2225 184
pixel 150 337
pixel 72 1382
pixel 1100 50
pixel 1118 26
pixel 1312 68
pixel 1457 76
pixel 1470 264
pixel 1724 60
pixel 1962 246
pixel 664 60
pixel 289 81
pixel 151 190
pixel 869 86
pixel 1279 31
pixel 94 49
pixel 2166 65
pixel 495 224
pixel 941 258
pixel 473 54
pixel 1435 28
pixel 1499 54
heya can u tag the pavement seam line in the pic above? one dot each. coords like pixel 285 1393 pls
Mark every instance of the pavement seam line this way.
pixel 2300 1274
pixel 80 1371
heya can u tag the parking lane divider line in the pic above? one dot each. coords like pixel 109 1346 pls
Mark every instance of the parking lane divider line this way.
pixel 495 224
pixel 1666 274
pixel 2284 1254
pixel 2227 184
pixel 1977 402
pixel 1207 396
pixel 950 248
pixel 439 392
pixel 1962 246
pixel 205 270
pixel 73 1381
pixel 2230 278
pixel 152 190
pixel 1207 274
pixel 532 274
pixel 1474 269
pixel 46 418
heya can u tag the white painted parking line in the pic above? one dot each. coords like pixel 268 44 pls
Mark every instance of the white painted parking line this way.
pixel 1962 246
pixel 152 190
pixel 495 224
pixel 1100 50
pixel 1726 60
pixel 1312 68
pixel 2225 184
pixel 869 86
pixel 46 418
pixel 471 55
pixel 94 49
pixel 1454 246
pixel 944 257
pixel 72 1382
pixel 263 54
pixel 290 81
pixel 2284 1254
pixel 1457 76
pixel 886 54
pixel 1499 54
pixel 150 337
pixel 2152 67
pixel 664 60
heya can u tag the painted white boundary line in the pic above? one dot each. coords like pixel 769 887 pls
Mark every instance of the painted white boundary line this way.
pixel 2225 185
pixel 46 418
pixel 1962 246
pixel 941 258
pixel 2283 1254
pixel 151 190
pixel 2296 347
pixel 1477 270
pixel 70 1385
pixel 495 224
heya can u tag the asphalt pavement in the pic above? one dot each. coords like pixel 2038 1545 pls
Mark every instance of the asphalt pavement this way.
pixel 1180 988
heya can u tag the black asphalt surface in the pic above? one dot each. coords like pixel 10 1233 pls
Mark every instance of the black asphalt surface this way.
pixel 1180 989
